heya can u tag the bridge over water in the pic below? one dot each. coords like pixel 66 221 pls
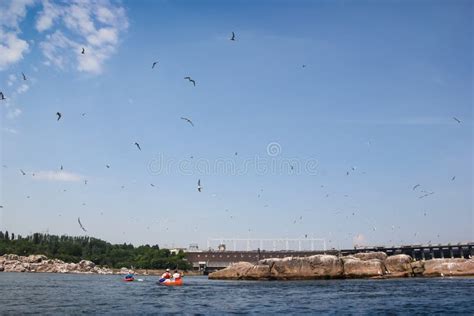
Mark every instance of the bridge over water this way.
pixel 208 261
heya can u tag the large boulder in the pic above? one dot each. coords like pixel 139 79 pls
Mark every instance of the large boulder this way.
pixel 449 267
pixel 301 268
pixel 356 268
pixel 11 257
pixel 371 255
pixel 86 265
pixel 258 272
pixel 418 268
pixel 399 266
pixel 237 271
pixel 36 258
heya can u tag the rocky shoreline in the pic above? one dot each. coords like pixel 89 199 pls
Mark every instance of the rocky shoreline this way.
pixel 361 265
pixel 40 263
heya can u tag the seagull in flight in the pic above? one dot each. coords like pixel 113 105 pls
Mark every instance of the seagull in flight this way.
pixel 233 37
pixel 453 178
pixel 138 146
pixel 108 166
pixel 456 119
pixel 24 77
pixel 22 172
pixel 59 115
pixel 199 187
pixel 190 80
pixel 83 51
pixel 2 97
pixel 416 186
pixel 154 64
pixel 188 120
pixel 80 224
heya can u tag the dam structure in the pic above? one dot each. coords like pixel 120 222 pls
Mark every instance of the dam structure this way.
pixel 211 259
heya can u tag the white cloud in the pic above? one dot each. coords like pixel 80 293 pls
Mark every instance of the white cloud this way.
pixel 13 113
pixel 89 24
pixel 58 176
pixel 22 88
pixel 10 130
pixel 11 80
pixel 95 25
pixel 47 16
pixel 12 47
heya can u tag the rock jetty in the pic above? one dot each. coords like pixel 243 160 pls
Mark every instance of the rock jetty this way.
pixel 40 263
pixel 362 265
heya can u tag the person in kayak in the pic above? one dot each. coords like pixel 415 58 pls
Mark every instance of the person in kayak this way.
pixel 165 276
pixel 129 276
pixel 176 275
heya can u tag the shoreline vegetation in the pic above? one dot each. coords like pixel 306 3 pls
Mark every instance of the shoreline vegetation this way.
pixel 75 250
pixel 376 265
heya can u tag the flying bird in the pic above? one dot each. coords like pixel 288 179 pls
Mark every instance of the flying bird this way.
pixel 83 51
pixel 85 182
pixel 2 97
pixel 456 119
pixel 152 184
pixel 188 120
pixel 80 224
pixel 453 178
pixel 138 146
pixel 304 66
pixel 22 172
pixel 83 114
pixel 199 187
pixel 154 64
pixel 62 168
pixel 233 37
pixel 190 80
pixel 108 166
pixel 416 186
pixel 59 115
pixel 24 77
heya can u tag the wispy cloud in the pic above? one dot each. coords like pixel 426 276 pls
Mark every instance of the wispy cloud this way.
pixel 90 24
pixel 58 176
pixel 68 26
pixel 12 47
pixel 13 113
pixel 427 120
pixel 10 130
pixel 16 87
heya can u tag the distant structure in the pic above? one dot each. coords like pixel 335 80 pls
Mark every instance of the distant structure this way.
pixel 278 244
pixel 193 247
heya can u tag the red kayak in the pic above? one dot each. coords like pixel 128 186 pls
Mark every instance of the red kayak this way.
pixel 172 282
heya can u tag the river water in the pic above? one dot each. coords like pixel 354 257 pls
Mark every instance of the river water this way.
pixel 44 293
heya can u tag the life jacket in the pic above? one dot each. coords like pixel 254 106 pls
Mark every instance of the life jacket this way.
pixel 166 275
pixel 177 276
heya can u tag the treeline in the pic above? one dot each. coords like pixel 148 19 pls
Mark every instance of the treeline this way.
pixel 74 249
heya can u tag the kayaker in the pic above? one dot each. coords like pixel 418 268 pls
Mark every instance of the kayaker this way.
pixel 176 275
pixel 129 276
pixel 166 275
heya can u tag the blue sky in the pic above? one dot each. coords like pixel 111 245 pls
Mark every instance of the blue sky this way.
pixel 378 93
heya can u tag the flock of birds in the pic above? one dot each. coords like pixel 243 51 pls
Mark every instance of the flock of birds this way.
pixel 59 115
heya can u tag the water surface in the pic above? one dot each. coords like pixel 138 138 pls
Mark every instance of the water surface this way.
pixel 44 293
